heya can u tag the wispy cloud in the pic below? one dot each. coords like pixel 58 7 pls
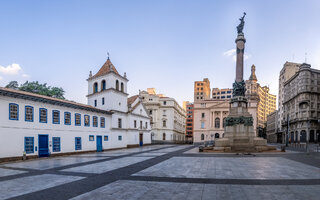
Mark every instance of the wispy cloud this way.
pixel 13 69
pixel 232 53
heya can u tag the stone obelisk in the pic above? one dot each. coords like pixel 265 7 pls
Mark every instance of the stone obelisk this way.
pixel 239 132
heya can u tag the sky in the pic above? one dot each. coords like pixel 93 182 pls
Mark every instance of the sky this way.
pixel 162 44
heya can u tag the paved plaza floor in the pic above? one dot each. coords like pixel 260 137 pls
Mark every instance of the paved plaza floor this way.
pixel 164 172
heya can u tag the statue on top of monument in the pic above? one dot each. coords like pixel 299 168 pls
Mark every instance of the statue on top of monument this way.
pixel 241 25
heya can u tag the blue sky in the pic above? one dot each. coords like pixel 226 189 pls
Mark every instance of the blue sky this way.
pixel 165 44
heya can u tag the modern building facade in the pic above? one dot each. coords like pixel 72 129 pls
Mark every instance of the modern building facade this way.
pixel 38 125
pixel 168 118
pixel 272 127
pixel 202 90
pixel 189 122
pixel 301 106
pixel 225 93
pixel 289 69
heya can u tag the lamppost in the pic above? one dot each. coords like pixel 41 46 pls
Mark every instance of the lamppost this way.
pixel 287 135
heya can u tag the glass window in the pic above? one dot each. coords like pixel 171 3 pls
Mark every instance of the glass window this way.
pixel 77 143
pixel 202 124
pixel 56 117
pixel 29 113
pixel 86 120
pixel 135 123
pixel 67 118
pixel 119 123
pixel 29 144
pixel 56 144
pixel 102 100
pixel 202 136
pixel 91 138
pixel 146 124
pixel 106 138
pixel 95 121
pixel 164 123
pixel 120 137
pixel 95 103
pixel 43 115
pixel 13 111
pixel 217 122
pixel 102 122
pixel 77 119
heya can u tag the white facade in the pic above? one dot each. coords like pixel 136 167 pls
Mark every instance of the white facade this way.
pixel 21 134
pixel 168 117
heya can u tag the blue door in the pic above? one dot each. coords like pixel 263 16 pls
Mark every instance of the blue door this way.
pixel 99 143
pixel 141 139
pixel 43 145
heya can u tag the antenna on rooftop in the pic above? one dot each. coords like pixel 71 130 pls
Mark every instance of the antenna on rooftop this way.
pixel 108 55
pixel 305 58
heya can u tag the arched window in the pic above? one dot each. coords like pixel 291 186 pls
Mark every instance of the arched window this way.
pixel 224 122
pixel 164 136
pixel 122 87
pixel 216 135
pixel 95 87
pixel 117 85
pixel 202 136
pixel 103 85
pixel 217 122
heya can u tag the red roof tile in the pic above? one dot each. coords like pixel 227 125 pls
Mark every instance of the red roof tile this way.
pixel 105 69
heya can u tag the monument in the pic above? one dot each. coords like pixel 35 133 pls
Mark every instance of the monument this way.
pixel 239 132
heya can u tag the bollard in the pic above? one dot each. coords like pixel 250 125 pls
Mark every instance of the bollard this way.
pixel 24 157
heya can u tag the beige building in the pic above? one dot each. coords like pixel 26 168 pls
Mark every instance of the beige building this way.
pixel 168 118
pixel 267 101
pixel 202 90
pixel 289 69
pixel 272 127
pixel 225 93
pixel 301 105
pixel 267 105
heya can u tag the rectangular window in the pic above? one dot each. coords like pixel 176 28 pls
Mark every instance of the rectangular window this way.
pixel 103 101
pixel 77 120
pixel 95 103
pixel 165 103
pixel 202 124
pixel 95 121
pixel 202 115
pixel 135 123
pixel 102 122
pixel 56 117
pixel 119 137
pixel 43 118
pixel 78 143
pixel 91 138
pixel 67 118
pixel 146 124
pixel 29 144
pixel 119 123
pixel 29 113
pixel 86 120
pixel 106 138
pixel 164 123
pixel 140 124
pixel 56 144
pixel 13 111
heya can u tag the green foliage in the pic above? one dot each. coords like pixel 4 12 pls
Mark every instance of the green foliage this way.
pixel 38 88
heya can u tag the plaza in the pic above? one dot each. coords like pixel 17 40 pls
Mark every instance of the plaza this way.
pixel 164 172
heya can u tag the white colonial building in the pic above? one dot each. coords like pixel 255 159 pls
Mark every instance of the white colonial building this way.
pixel 38 125
pixel 168 118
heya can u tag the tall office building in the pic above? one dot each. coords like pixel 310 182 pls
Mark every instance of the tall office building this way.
pixel 202 90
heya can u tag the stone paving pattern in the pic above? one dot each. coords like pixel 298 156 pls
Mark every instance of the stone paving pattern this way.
pixel 164 172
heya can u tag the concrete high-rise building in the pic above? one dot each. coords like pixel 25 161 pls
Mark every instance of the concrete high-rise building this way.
pixel 267 104
pixel 225 93
pixel 272 127
pixel 301 104
pixel 189 122
pixel 184 104
pixel 289 69
pixel 202 90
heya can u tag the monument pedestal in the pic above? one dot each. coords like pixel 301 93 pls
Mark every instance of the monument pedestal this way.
pixel 239 133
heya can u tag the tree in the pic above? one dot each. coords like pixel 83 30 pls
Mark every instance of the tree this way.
pixel 13 85
pixel 38 88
